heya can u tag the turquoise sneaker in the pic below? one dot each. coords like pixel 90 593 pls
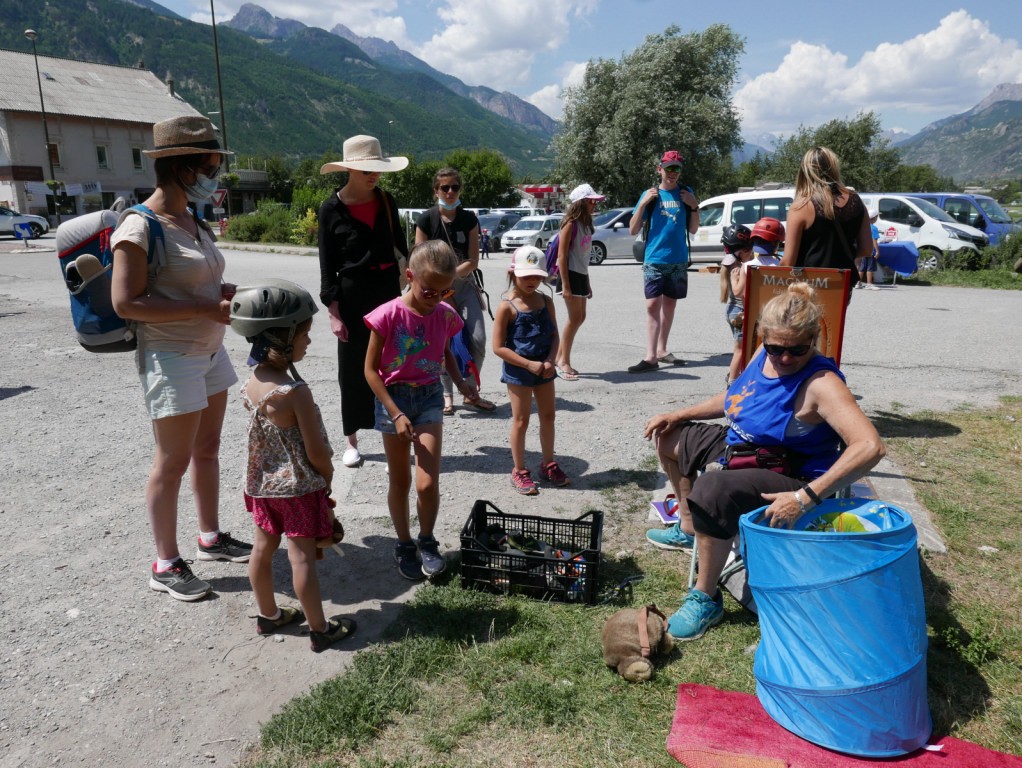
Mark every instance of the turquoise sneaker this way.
pixel 671 537
pixel 697 614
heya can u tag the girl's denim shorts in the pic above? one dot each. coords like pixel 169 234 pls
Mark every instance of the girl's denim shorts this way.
pixel 422 404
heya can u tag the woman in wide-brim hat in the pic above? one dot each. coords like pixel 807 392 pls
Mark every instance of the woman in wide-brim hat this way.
pixel 181 307
pixel 358 232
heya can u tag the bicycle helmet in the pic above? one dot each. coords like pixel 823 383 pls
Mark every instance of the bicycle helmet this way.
pixel 768 229
pixel 736 237
pixel 275 303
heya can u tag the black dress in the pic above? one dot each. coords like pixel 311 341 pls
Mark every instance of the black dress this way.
pixel 358 270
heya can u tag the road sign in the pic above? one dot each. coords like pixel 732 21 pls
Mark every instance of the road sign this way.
pixel 22 230
pixel 218 198
pixel 218 211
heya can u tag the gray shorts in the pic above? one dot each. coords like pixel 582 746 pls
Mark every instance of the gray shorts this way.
pixel 176 383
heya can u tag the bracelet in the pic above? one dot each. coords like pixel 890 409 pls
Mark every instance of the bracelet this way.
pixel 801 507
pixel 397 416
pixel 810 493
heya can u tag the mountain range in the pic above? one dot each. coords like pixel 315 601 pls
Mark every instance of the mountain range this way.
pixel 981 144
pixel 256 21
pixel 301 95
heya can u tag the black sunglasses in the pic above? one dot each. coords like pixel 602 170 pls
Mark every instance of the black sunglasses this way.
pixel 450 187
pixel 776 350
pixel 209 171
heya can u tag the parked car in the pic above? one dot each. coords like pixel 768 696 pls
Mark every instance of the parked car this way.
pixel 611 238
pixel 39 225
pixel 530 230
pixel 932 230
pixel 497 224
pixel 978 211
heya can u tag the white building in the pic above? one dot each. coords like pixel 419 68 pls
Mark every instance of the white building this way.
pixel 100 117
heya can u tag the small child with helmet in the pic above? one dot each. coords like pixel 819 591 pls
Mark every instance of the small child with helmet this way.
pixel 767 237
pixel 287 483
pixel 738 245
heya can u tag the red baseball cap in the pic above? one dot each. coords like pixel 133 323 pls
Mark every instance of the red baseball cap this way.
pixel 671 157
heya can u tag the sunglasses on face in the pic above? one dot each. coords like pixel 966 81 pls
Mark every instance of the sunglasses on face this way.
pixel 431 293
pixel 776 350
pixel 209 171
pixel 370 173
pixel 672 169
pixel 450 187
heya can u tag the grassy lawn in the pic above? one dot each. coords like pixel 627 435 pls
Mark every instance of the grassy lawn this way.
pixel 468 678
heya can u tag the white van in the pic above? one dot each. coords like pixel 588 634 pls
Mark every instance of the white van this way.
pixel 745 208
pixel 932 230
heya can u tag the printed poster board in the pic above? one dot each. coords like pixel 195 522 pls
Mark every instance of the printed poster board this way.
pixel 763 283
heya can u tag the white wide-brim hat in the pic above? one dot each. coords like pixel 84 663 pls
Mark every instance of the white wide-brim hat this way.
pixel 363 153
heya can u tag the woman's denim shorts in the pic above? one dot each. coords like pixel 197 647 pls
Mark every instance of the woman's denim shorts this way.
pixel 422 404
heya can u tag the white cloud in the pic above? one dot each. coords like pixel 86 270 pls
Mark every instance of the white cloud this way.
pixel 940 72
pixel 549 98
pixel 496 44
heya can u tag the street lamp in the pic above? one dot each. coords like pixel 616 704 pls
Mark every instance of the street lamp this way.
pixel 31 34
pixel 220 92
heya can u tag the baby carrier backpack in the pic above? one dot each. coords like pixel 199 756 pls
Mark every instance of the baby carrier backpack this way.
pixel 86 263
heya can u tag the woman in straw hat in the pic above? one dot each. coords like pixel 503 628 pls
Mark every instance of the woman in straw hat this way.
pixel 181 305
pixel 359 271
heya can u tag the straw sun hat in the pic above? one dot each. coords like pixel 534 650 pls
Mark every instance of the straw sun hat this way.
pixel 363 153
pixel 185 135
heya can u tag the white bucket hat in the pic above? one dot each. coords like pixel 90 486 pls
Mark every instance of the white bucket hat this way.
pixel 586 191
pixel 363 153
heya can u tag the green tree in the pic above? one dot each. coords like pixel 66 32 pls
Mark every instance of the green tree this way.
pixel 918 178
pixel 487 177
pixel 672 92
pixel 412 187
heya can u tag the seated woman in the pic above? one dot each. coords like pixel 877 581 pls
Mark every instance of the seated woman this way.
pixel 789 397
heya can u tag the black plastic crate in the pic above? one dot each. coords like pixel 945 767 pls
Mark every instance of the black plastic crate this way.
pixel 570 574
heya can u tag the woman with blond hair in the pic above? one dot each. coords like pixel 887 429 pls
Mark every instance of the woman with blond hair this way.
pixel 787 415
pixel 827 223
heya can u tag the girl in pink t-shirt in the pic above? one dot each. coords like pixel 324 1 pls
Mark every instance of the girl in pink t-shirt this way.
pixel 409 347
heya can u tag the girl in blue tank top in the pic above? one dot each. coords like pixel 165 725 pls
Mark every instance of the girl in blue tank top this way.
pixel 525 337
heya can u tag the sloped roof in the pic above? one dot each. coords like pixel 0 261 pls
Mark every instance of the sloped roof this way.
pixel 84 89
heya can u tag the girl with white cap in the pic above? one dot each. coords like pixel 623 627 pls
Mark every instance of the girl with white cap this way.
pixel 574 243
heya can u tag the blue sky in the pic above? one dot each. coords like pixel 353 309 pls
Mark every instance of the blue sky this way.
pixel 912 62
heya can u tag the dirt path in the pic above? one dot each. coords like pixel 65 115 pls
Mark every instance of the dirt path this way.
pixel 96 669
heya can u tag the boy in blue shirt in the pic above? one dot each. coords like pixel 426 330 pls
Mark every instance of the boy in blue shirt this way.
pixel 673 213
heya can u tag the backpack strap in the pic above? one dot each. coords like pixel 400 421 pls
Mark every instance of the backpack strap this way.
pixel 156 253
pixel 643 631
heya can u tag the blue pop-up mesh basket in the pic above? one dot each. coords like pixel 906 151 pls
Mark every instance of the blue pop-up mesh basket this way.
pixel 842 656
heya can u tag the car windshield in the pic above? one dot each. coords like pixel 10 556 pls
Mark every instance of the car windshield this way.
pixel 605 217
pixel 933 211
pixel 489 222
pixel 529 225
pixel 993 210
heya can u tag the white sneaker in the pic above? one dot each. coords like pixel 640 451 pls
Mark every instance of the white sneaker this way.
pixel 871 287
pixel 351 457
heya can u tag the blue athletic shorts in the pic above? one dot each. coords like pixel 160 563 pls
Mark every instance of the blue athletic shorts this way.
pixel 670 280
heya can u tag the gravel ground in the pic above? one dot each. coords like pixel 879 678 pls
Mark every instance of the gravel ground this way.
pixel 97 669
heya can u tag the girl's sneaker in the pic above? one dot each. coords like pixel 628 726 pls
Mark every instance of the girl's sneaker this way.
pixel 521 481
pixel 406 555
pixel 336 629
pixel 433 563
pixel 288 615
pixel 553 474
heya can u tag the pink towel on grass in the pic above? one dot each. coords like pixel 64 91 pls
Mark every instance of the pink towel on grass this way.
pixel 725 729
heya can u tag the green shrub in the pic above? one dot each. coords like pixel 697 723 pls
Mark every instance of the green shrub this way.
pixel 968 260
pixel 305 230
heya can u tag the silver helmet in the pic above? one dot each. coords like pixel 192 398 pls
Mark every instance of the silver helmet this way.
pixel 274 304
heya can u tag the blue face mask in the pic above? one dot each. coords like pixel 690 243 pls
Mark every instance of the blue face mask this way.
pixel 446 206
pixel 202 189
